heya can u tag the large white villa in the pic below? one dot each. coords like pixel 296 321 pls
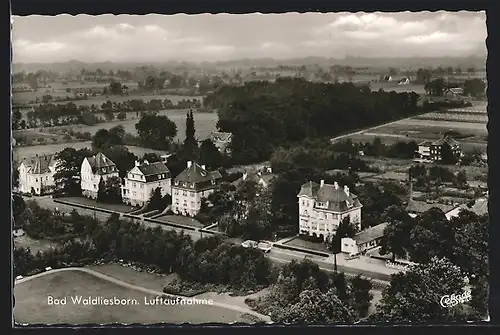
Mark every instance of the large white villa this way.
pixel 36 175
pixel 323 206
pixel 190 186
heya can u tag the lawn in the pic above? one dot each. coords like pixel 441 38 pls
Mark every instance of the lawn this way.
pixel 181 220
pixel 301 242
pixel 32 307
pixel 91 203
pixel 35 245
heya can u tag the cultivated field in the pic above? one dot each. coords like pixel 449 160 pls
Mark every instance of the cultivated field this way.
pixel 32 307
pixel 58 90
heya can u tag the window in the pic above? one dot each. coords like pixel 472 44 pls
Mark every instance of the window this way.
pixel 36 179
pixel 95 186
pixel 177 201
pixel 185 203
pixel 191 194
pixel 134 184
pixel 184 193
pixel 192 204
pixel 142 185
pixel 176 192
pixel 303 203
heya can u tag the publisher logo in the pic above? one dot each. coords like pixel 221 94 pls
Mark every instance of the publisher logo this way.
pixel 449 301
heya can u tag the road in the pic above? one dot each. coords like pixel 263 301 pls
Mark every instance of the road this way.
pixel 142 289
pixel 359 132
pixel 378 272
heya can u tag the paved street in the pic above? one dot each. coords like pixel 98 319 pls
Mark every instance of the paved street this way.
pixel 371 268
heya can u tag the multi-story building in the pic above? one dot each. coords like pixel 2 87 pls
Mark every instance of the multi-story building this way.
pixel 36 175
pixel 222 141
pixel 94 169
pixel 142 180
pixel 192 185
pixel 323 206
pixel 432 150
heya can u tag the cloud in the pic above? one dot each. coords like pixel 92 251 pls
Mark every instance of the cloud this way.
pixel 219 37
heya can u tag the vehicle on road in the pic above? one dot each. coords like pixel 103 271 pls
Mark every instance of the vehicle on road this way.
pixel 351 256
pixel 249 244
pixel 265 246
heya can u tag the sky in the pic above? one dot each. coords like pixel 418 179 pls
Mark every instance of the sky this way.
pixel 220 37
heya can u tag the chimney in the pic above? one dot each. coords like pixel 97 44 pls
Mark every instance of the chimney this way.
pixel 203 167
pixel 137 163
pixel 346 190
pixel 322 183
pixel 189 164
pixel 245 175
pixel 146 162
pixel 336 185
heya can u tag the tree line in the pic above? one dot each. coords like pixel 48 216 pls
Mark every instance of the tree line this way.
pixel 263 116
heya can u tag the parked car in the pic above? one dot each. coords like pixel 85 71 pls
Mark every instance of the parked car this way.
pixel 249 244
pixel 265 246
pixel 351 256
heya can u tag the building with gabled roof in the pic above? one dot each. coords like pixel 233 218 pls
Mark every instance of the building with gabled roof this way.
pixel 364 240
pixel 143 179
pixel 323 206
pixel 94 169
pixel 36 174
pixel 432 149
pixel 222 141
pixel 192 185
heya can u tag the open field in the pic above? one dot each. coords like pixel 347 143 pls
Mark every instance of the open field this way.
pixel 35 245
pixel 455 116
pixel 25 152
pixel 182 220
pixel 32 307
pixel 205 124
pixel 89 202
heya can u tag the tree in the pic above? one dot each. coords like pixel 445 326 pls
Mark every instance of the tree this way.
pixel 156 201
pixel 480 297
pixel 121 116
pixel 156 131
pixel 460 179
pixel 414 295
pixel 435 87
pixel 361 296
pixel 16 118
pixel 15 178
pixel 109 115
pixel 112 190
pixel 18 207
pixel 101 191
pixel 423 76
pixel 190 144
pixel 447 154
pixel 315 307
pixel 115 88
pixel 474 87
pixel 210 155
pixel 151 157
pixel 67 176
pixel 122 157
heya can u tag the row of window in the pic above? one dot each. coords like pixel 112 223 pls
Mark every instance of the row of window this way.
pixel 184 193
pixel 323 215
pixel 185 203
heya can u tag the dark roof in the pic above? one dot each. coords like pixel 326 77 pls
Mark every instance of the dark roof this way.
pixel 451 141
pixel 151 171
pixel 426 143
pixel 196 174
pixel 101 164
pixel 370 234
pixel 221 136
pixel 40 164
pixel 338 200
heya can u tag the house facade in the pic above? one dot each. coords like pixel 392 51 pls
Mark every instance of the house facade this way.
pixel 192 185
pixel 263 179
pixel 222 141
pixel 323 206
pixel 432 150
pixel 141 181
pixel 36 175
pixel 94 169
pixel 363 241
